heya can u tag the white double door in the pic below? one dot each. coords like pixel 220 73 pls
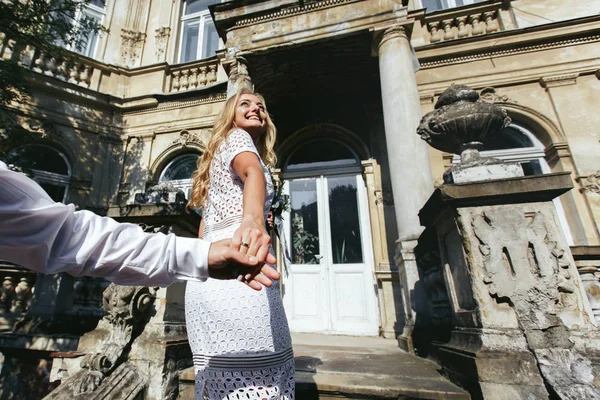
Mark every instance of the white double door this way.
pixel 329 285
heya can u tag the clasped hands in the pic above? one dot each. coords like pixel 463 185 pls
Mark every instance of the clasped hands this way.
pixel 244 257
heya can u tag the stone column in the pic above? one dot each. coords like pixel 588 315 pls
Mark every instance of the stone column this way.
pixel 410 170
pixel 408 157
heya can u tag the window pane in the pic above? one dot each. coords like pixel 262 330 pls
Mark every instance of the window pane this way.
pixel 432 5
pixel 56 192
pixel 304 221
pixel 509 138
pixel 532 167
pixel 194 6
pixel 189 46
pixel 211 39
pixel 39 157
pixel 321 154
pixel 181 168
pixel 346 244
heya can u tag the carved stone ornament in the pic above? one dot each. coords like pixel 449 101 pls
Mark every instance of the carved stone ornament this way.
pixel 489 95
pixel 591 183
pixel 185 138
pixel 131 47
pixel 161 37
pixel 127 310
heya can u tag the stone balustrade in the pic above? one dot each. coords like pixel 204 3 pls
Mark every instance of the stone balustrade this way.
pixel 193 76
pixel 16 293
pixel 463 22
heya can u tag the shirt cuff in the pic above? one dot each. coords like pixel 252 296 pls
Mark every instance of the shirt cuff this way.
pixel 191 259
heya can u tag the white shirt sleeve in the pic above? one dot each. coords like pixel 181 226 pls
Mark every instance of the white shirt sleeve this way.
pixel 49 237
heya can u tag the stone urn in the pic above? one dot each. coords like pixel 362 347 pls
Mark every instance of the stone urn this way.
pixel 461 123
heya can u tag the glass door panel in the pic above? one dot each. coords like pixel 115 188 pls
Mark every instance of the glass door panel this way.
pixel 346 243
pixel 304 217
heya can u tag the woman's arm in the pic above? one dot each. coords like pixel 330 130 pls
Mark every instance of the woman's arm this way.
pixel 201 229
pixel 247 166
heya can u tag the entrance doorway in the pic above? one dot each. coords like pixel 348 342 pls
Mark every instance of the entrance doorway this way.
pixel 329 283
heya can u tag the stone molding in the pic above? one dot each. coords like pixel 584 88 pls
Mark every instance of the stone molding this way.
pixel 178 105
pixel 510 51
pixel 290 11
pixel 557 151
pixel 132 44
pixel 559 80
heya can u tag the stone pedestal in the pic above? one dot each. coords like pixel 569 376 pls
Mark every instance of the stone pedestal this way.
pixel 513 289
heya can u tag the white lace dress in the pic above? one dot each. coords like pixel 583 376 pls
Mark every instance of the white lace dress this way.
pixel 239 337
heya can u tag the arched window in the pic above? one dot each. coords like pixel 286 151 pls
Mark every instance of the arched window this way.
pixel 517 144
pixel 321 154
pixel 179 172
pixel 49 167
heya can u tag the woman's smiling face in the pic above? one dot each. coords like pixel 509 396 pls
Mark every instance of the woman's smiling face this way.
pixel 250 115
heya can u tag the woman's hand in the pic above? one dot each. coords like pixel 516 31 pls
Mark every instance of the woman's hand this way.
pixel 252 238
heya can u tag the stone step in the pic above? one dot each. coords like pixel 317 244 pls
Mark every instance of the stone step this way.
pixel 334 367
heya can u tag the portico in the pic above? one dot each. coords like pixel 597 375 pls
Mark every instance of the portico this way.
pixel 348 64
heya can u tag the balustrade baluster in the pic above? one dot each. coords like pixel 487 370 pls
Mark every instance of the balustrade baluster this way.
pixel 202 79
pixel 7 293
pixel 176 83
pixel 74 75
pixel 212 74
pixel 490 23
pixel 448 31
pixel 194 78
pixel 39 62
pixel 462 28
pixel 62 72
pixel 51 66
pixel 22 296
pixel 86 76
pixel 184 79
pixel 434 30
pixel 477 28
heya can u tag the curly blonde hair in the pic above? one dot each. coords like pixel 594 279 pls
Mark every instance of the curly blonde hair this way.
pixel 224 125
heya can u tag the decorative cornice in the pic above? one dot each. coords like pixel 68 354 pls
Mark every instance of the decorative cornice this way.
pixel 558 80
pixel 290 11
pixel 184 104
pixel 509 51
pixel 557 150
pixel 426 98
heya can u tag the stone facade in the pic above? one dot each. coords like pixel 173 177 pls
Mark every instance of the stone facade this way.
pixel 360 73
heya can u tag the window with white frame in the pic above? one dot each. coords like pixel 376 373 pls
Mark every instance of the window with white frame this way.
pixel 435 5
pixel 179 173
pixel 87 43
pixel 517 144
pixel 199 38
pixel 47 166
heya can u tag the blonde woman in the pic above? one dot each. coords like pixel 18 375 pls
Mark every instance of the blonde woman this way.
pixel 239 337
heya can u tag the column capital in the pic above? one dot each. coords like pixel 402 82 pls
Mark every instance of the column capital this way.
pixel 393 32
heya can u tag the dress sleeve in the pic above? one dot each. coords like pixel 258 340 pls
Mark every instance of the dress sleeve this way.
pixel 238 141
pixel 49 237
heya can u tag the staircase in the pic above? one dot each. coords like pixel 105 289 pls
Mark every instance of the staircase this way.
pixel 335 367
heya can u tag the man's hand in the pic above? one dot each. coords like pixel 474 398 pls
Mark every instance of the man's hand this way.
pixel 226 263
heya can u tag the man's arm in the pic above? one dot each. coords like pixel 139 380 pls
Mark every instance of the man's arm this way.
pixel 50 237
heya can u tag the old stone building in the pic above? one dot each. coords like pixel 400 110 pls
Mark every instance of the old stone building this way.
pixel 346 82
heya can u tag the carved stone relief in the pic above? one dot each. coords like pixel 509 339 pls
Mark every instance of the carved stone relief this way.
pixel 489 94
pixel 591 183
pixel 127 310
pixel 132 43
pixel 186 137
pixel 162 38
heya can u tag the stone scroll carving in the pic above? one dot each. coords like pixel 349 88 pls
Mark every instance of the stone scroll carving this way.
pixel 105 373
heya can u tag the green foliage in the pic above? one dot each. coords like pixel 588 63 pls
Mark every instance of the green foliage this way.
pixel 304 243
pixel 46 25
